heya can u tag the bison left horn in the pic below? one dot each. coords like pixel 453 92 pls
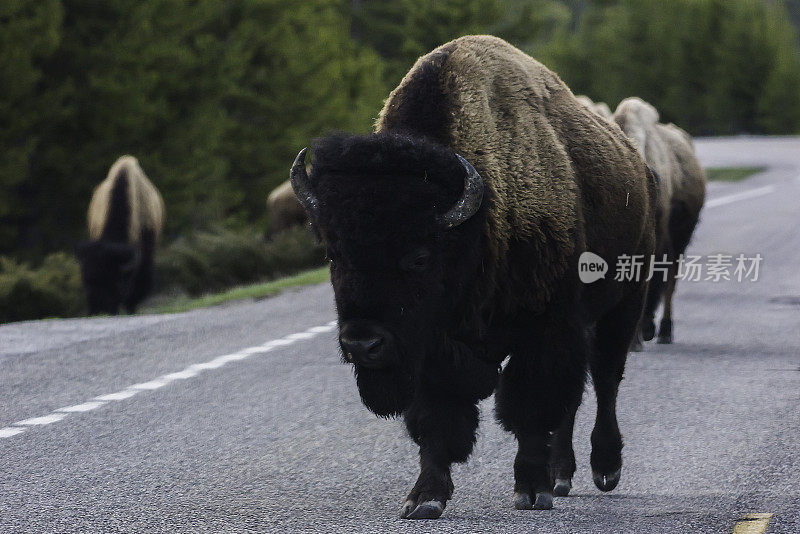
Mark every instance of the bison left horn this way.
pixel 470 200
pixel 299 180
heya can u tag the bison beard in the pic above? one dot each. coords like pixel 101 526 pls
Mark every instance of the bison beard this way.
pixel 454 233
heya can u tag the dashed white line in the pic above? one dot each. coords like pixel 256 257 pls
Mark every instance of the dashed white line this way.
pixel 153 384
pixel 118 396
pixel 322 329
pixel 85 407
pixel 279 343
pixel 181 375
pixel 9 431
pixel 43 420
pixel 301 335
pixel 736 197
pixel 193 370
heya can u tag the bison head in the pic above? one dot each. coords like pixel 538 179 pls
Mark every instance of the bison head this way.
pixel 107 270
pixel 402 222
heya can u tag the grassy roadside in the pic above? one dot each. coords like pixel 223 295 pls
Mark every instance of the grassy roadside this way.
pixel 254 291
pixel 731 174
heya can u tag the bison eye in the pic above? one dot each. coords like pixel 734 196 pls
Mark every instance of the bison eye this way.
pixel 329 254
pixel 416 261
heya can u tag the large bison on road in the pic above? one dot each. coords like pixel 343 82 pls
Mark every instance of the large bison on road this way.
pixel 454 233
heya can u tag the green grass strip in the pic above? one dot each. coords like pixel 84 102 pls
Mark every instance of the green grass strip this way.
pixel 254 291
pixel 731 174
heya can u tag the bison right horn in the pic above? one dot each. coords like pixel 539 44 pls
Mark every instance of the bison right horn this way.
pixel 299 180
pixel 470 200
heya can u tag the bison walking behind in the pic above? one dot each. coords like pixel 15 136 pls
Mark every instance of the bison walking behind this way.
pixel 682 187
pixel 284 210
pixel 125 220
pixel 454 233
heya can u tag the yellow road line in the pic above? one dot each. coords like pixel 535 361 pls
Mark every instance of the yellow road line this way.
pixel 752 524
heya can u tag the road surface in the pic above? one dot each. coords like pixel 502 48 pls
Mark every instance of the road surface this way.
pixel 240 418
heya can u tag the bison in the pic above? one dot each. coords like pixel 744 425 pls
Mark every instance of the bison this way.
pixel 454 233
pixel 601 108
pixel 670 152
pixel 125 219
pixel 284 209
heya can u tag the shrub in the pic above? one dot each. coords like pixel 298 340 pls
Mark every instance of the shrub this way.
pixel 214 260
pixel 51 290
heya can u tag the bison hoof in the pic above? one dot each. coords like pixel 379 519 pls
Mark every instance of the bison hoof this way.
pixel 562 487
pixel 606 482
pixel 648 330
pixel 425 510
pixel 522 501
pixel 664 339
pixel 543 501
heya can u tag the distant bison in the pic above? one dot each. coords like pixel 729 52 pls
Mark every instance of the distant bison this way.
pixel 670 152
pixel 454 234
pixel 125 219
pixel 601 108
pixel 284 209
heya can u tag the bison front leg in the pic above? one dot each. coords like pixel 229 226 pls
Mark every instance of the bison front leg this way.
pixel 540 389
pixel 444 429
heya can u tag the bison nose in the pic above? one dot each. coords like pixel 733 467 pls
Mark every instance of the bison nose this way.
pixel 366 351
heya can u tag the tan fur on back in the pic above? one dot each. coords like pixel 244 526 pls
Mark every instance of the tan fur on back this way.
pixel 146 204
pixel 668 150
pixel 639 121
pixel 690 186
pixel 548 160
pixel 281 194
pixel 601 108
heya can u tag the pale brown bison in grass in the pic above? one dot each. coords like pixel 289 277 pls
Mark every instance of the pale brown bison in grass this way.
pixel 125 219
pixel 284 210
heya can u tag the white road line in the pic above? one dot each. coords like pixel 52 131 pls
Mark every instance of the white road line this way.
pixel 161 381
pixel 9 431
pixel 180 375
pixel 153 384
pixel 322 329
pixel 279 343
pixel 255 350
pixel 118 396
pixel 43 420
pixel 736 197
pixel 85 407
pixel 301 335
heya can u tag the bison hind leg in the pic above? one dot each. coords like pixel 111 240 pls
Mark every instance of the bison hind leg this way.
pixel 614 333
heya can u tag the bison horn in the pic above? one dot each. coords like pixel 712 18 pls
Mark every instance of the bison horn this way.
pixel 299 179
pixel 470 201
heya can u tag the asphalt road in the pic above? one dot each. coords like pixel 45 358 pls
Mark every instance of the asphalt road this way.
pixel 191 433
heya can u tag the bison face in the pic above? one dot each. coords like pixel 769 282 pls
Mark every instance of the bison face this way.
pixel 390 295
pixel 107 270
pixel 392 214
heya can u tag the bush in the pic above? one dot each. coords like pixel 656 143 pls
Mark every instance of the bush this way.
pixel 211 261
pixel 51 290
